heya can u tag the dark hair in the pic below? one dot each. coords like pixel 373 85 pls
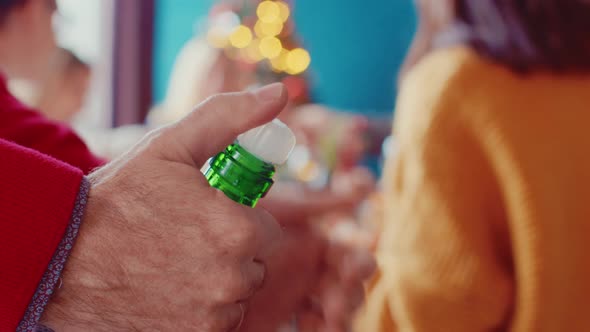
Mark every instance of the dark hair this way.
pixel 530 34
pixel 7 5
pixel 524 35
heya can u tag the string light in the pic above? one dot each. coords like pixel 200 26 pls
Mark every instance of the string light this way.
pixel 251 39
pixel 279 64
pixel 298 60
pixel 268 11
pixel 265 29
pixel 241 37
pixel 270 47
pixel 284 11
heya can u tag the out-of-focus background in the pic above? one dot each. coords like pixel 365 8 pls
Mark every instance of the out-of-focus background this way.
pixel 485 204
pixel 131 65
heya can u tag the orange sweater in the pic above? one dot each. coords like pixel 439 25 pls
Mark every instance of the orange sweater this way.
pixel 487 223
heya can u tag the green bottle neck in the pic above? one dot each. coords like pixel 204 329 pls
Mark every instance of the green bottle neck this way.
pixel 250 161
pixel 240 175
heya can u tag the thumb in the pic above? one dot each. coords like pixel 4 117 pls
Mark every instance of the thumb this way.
pixel 215 123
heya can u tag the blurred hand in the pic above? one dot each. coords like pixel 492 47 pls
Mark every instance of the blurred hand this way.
pixel 293 272
pixel 159 249
pixel 311 275
pixel 330 133
pixel 293 202
pixel 339 291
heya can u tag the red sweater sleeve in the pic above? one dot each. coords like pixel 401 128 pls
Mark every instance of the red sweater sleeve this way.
pixel 26 127
pixel 37 196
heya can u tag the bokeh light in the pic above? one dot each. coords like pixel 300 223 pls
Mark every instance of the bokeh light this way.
pixel 298 60
pixel 279 63
pixel 264 29
pixel 261 36
pixel 268 11
pixel 241 37
pixel 284 11
pixel 270 47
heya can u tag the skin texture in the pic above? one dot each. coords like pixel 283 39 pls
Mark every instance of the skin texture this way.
pixel 159 248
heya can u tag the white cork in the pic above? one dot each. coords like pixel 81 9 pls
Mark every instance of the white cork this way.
pixel 272 142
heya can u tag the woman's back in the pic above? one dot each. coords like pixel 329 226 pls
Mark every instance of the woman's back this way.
pixel 489 222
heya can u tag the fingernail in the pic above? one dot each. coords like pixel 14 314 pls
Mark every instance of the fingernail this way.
pixel 270 93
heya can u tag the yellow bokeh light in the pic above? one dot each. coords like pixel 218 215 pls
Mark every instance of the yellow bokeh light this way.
pixel 270 47
pixel 279 64
pixel 284 11
pixel 298 61
pixel 264 29
pixel 252 52
pixel 268 11
pixel 241 37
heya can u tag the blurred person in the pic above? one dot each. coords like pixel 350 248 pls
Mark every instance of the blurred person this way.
pixel 195 76
pixel 143 242
pixel 487 222
pixel 62 94
pixel 27 45
pixel 59 91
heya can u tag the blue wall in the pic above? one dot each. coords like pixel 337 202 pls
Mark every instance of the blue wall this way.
pixel 356 46
pixel 356 49
pixel 174 25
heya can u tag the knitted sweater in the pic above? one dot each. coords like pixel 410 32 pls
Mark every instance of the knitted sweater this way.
pixel 487 224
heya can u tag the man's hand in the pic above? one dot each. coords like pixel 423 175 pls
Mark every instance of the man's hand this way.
pixel 159 249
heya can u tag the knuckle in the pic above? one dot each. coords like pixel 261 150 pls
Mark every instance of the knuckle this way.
pixel 230 318
pixel 216 322
pixel 237 99
pixel 234 286
pixel 250 98
pixel 155 140
pixel 155 134
pixel 211 105
pixel 212 100
pixel 244 233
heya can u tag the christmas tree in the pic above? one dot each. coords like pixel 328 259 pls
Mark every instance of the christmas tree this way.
pixel 260 37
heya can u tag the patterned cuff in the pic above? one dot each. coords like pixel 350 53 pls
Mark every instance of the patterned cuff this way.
pixel 51 276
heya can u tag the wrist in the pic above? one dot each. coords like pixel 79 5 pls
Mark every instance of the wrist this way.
pixel 85 299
